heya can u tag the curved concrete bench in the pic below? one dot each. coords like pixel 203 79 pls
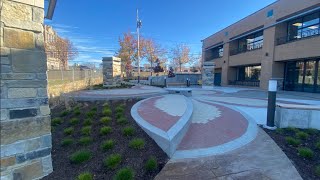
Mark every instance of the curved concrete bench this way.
pixel 299 116
pixel 183 91
pixel 167 138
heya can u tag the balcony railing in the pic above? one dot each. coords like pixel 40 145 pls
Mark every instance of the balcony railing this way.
pixel 248 47
pixel 299 36
pixel 215 56
pixel 251 83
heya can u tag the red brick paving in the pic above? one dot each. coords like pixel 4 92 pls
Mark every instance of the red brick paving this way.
pixel 229 126
pixel 155 116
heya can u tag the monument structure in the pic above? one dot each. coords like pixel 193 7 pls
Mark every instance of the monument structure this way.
pixel 208 74
pixel 111 71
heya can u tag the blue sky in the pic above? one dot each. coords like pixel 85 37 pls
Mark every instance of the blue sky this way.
pixel 94 26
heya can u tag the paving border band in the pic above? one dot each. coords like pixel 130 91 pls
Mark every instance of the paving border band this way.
pixel 169 140
pixel 246 138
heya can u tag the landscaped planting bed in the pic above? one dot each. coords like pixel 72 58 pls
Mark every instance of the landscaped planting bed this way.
pixel 302 146
pixel 100 140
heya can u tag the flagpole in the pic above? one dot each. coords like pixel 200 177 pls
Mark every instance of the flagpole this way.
pixel 138 33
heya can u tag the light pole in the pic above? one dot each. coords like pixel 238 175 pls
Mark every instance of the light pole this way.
pixel 272 97
pixel 139 24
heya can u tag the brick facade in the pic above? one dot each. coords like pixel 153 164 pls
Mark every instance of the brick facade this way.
pixel 272 21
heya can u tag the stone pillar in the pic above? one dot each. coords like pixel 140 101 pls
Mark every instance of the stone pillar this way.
pixel 25 114
pixel 207 74
pixel 111 71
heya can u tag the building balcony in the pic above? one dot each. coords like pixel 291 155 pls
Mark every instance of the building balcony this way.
pixel 246 48
pixel 300 48
pixel 301 36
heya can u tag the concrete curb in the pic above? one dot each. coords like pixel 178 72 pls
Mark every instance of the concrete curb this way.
pixel 169 140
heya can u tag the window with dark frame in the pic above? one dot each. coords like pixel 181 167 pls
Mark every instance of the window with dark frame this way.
pixel 214 53
pixel 248 43
pixel 303 27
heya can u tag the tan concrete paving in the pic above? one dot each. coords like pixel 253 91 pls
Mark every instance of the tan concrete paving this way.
pixel 261 159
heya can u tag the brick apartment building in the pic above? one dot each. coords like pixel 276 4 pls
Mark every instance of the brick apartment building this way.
pixel 280 41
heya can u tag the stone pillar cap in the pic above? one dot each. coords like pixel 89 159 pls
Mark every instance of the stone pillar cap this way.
pixel 112 58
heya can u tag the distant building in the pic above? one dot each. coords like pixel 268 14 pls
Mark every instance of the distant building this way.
pixel 280 41
pixel 53 59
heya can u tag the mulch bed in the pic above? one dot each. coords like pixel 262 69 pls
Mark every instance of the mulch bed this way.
pixel 306 167
pixel 134 159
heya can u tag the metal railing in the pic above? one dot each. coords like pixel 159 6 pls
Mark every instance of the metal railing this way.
pixel 62 76
pixel 251 83
pixel 248 47
pixel 299 36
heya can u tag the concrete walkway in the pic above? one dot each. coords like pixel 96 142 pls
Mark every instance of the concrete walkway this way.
pixel 261 159
pixel 139 91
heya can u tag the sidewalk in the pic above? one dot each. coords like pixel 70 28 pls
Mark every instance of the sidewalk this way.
pixel 260 159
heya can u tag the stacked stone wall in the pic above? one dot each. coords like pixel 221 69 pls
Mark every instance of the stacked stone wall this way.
pixel 25 114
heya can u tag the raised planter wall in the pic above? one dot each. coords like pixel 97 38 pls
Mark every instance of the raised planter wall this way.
pixel 298 116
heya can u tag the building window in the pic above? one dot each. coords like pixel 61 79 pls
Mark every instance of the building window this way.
pixel 304 26
pixel 302 76
pixel 214 53
pixel 249 73
pixel 248 43
pixel 270 13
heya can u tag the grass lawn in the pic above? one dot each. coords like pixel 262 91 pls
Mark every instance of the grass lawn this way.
pixel 302 146
pixel 100 140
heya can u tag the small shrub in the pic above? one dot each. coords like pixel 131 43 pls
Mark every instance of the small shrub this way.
pixel 68 131
pixel 124 174
pixel 85 140
pixel 74 121
pixel 106 105
pixel 87 122
pixel 64 113
pixel 291 129
pixel 77 112
pixel 305 153
pixel 292 141
pixel 279 131
pixel 318 145
pixel 122 121
pixel 106 145
pixel 105 130
pixel 80 156
pixel 91 114
pixel 119 109
pixel 112 161
pixel 302 135
pixel 151 164
pixel 85 176
pixel 86 130
pixel 107 112
pixel 317 170
pixel 128 131
pixel 312 131
pixel 67 142
pixel 119 115
pixel 137 143
pixel 56 121
pixel 94 109
pixel 105 120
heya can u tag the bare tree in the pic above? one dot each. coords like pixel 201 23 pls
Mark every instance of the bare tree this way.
pixel 195 62
pixel 180 55
pixel 63 49
pixel 153 51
